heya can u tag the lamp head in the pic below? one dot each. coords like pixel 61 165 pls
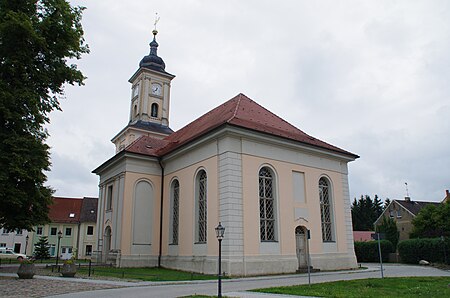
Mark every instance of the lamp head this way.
pixel 220 230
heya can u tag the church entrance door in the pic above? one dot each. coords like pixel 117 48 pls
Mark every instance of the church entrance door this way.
pixel 301 247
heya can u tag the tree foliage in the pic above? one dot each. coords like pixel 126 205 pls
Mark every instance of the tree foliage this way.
pixel 37 37
pixel 389 228
pixel 41 248
pixel 432 221
pixel 365 211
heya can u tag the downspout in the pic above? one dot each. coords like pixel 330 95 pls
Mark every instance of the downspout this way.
pixel 78 240
pixel 161 212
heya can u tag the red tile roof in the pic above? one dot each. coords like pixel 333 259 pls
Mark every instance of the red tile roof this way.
pixel 239 111
pixel 61 209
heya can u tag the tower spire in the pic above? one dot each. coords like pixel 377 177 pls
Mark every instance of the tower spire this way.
pixel 152 61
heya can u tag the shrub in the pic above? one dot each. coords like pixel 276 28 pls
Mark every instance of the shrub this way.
pixel 367 251
pixel 430 249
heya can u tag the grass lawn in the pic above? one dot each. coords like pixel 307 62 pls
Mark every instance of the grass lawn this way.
pixel 147 274
pixel 374 287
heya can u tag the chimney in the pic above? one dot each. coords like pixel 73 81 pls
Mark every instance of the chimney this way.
pixel 447 193
pixel 408 199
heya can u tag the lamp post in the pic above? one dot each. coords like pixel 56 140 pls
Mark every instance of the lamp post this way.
pixel 26 243
pixel 220 230
pixel 57 248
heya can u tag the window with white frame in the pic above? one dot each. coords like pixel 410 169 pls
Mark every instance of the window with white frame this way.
pixel 325 210
pixel 39 231
pixel 201 185
pixel 175 210
pixel 53 231
pixel 267 212
pixel 90 230
pixel 68 232
pixel 2 244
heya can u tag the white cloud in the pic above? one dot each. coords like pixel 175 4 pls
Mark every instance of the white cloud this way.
pixel 368 76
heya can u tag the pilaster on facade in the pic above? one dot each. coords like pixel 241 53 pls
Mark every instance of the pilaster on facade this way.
pixel 347 213
pixel 231 202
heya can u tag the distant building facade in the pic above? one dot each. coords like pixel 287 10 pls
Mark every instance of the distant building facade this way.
pixel 403 212
pixel 75 219
pixel 16 239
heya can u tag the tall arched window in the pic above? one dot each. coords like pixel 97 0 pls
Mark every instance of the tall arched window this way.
pixel 201 206
pixel 154 112
pixel 325 210
pixel 266 205
pixel 175 210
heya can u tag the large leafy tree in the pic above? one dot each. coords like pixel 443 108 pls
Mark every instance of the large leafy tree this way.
pixel 37 37
pixel 365 211
pixel 432 221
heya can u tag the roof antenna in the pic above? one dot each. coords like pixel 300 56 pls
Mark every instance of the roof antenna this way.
pixel 407 198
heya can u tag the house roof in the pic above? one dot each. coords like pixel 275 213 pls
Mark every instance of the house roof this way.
pixel 415 206
pixel 239 111
pixel 88 211
pixel 65 210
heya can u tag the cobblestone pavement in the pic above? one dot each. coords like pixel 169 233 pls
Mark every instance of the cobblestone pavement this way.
pixel 39 287
pixel 15 287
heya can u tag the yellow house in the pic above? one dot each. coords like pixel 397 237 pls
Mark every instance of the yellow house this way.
pixel 267 182
pixel 72 229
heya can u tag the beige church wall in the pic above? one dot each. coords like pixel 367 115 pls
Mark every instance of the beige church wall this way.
pixel 308 212
pixel 131 179
pixel 186 177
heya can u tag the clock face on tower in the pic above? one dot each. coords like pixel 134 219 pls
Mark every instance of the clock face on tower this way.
pixel 156 89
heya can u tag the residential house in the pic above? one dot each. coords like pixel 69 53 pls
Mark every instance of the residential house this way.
pixel 72 226
pixel 16 239
pixel 268 183
pixel 403 212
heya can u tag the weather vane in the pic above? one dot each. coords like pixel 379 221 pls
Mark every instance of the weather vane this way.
pixel 406 185
pixel 156 20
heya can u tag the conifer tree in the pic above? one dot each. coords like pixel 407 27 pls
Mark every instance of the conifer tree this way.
pixel 41 249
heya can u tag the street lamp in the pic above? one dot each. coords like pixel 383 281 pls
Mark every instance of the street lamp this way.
pixel 220 230
pixel 57 248
pixel 26 243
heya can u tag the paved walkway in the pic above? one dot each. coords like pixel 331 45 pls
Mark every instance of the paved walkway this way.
pixel 51 286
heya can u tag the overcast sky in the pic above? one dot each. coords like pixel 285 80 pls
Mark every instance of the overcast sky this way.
pixel 371 77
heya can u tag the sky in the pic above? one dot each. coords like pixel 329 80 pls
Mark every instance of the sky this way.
pixel 371 77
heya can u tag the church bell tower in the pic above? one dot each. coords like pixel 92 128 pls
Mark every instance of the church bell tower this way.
pixel 150 100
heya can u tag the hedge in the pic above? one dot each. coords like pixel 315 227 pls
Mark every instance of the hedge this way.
pixel 430 249
pixel 367 251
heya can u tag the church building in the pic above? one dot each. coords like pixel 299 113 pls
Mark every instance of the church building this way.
pixel 281 194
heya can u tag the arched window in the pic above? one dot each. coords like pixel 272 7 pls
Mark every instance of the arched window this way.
pixel 201 205
pixel 267 212
pixel 175 194
pixel 154 112
pixel 325 210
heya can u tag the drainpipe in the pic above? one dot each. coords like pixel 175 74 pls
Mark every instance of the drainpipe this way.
pixel 161 212
pixel 78 239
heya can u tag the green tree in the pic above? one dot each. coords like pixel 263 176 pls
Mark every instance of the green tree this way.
pixel 37 37
pixel 365 211
pixel 432 221
pixel 41 248
pixel 389 228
